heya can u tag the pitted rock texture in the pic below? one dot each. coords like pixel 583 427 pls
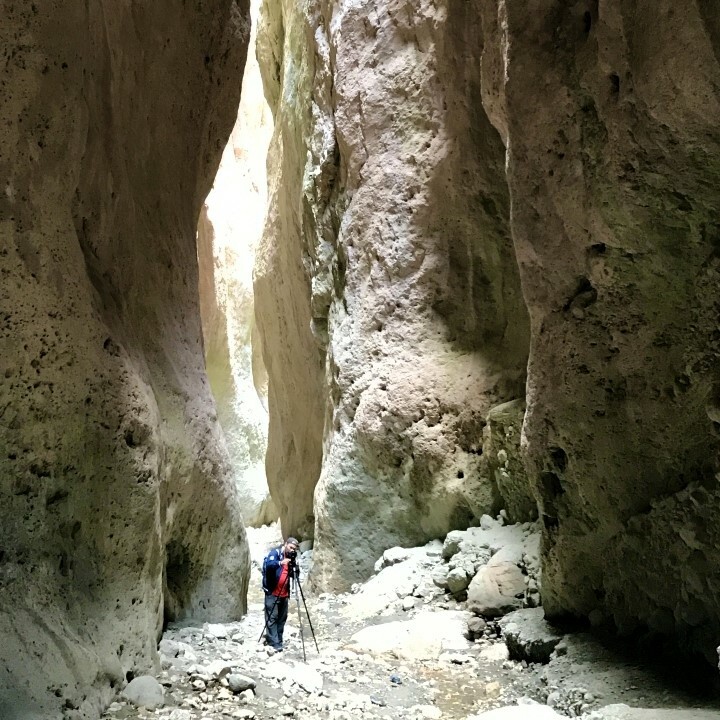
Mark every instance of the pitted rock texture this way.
pixel 613 164
pixel 116 507
pixel 408 271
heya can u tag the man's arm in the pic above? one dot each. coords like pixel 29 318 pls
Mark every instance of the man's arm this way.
pixel 273 559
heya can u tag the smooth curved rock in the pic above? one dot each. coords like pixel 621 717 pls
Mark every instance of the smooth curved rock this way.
pixel 230 226
pixel 496 590
pixel 145 691
pixel 114 483
pixel 282 276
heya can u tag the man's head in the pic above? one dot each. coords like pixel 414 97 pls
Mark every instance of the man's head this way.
pixel 291 545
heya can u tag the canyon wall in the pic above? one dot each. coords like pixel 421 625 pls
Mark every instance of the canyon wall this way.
pixel 118 509
pixel 283 275
pixel 425 151
pixel 610 114
pixel 230 226
pixel 392 182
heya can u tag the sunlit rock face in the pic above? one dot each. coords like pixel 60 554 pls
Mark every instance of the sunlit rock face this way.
pixel 409 279
pixel 230 226
pixel 116 503
pixel 610 112
pixel 283 270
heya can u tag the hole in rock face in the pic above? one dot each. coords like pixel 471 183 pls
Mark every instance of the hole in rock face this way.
pixel 460 474
pixel 587 22
pixel 583 296
pixel 550 485
pixel 558 457
pixel 177 571
pixel 615 83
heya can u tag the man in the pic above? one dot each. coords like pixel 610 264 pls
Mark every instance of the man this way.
pixel 276 585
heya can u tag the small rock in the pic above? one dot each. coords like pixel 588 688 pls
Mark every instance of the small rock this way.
pixel 376 700
pixel 239 683
pixel 452 543
pixel 529 636
pixel 409 603
pixel 216 630
pixel 492 689
pixel 395 679
pixel 244 714
pixel 180 715
pixel 476 626
pixel 145 691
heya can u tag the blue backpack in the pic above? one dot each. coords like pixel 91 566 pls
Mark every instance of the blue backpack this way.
pixel 269 571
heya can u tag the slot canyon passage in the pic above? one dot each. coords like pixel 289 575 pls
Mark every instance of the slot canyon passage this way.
pixel 441 300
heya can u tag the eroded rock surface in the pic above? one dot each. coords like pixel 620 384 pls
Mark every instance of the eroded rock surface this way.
pixel 436 149
pixel 613 160
pixel 403 262
pixel 282 277
pixel 115 502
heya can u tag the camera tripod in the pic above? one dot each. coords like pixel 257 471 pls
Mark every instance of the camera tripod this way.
pixel 292 583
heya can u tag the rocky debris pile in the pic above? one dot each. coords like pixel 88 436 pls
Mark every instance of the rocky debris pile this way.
pixel 493 569
pixel 399 646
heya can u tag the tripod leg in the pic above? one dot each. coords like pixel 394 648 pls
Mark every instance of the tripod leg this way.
pixel 307 612
pixel 302 637
pixel 268 615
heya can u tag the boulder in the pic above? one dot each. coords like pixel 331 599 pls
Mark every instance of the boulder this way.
pixel 145 691
pixel 529 636
pixel 239 683
pixel 496 590
pixel 410 639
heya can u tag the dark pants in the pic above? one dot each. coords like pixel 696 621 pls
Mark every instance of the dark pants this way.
pixel 276 611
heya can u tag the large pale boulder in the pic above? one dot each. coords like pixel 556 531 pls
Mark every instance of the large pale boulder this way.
pixel 116 504
pixel 410 639
pixel 613 160
pixel 497 589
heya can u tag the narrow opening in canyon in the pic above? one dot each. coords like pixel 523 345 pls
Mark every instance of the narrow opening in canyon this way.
pixel 229 229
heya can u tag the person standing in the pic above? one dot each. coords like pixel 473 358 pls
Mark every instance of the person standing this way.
pixel 276 586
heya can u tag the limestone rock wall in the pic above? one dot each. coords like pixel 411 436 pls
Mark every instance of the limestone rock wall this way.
pixel 409 281
pixel 502 461
pixel 425 149
pixel 116 507
pixel 230 226
pixel 282 276
pixel 610 114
